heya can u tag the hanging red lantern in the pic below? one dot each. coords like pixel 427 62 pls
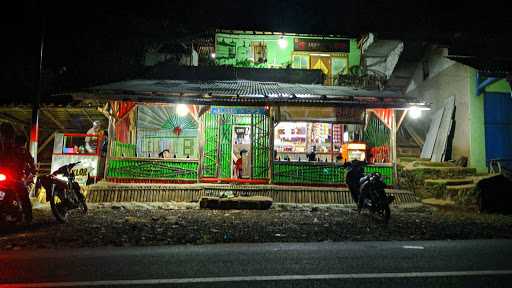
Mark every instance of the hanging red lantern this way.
pixel 177 130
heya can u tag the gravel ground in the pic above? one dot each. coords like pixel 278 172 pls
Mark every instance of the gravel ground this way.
pixel 140 224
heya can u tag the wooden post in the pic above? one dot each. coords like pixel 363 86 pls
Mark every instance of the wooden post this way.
pixel 111 139
pixel 332 143
pixel 270 145
pixel 393 145
pixel 111 115
pixel 252 131
pixel 201 149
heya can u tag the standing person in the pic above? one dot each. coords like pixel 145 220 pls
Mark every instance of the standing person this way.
pixel 24 169
pixel 239 164
pixel 104 144
pixel 91 143
pixel 15 157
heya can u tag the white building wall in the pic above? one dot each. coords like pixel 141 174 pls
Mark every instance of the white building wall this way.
pixel 445 78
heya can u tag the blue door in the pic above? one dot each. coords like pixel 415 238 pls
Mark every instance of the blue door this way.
pixel 498 127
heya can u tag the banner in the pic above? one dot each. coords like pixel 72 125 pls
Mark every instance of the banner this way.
pixel 384 115
pixel 342 114
pixel 238 110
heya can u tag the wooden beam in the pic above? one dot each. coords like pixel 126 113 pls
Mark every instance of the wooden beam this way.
pixel 414 136
pixel 14 119
pixel 88 116
pixel 401 119
pixel 45 143
pixel 50 116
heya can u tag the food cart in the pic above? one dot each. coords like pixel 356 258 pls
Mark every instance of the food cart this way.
pixel 73 147
pixel 353 151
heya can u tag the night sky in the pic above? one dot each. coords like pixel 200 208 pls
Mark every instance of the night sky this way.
pixel 88 42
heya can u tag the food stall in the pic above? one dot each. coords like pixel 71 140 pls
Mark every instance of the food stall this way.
pixel 308 153
pixel 312 146
pixel 73 147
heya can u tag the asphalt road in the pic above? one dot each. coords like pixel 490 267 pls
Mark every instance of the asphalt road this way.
pixel 471 263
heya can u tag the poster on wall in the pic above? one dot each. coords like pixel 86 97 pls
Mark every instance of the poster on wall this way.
pixel 321 45
pixel 346 115
pixel 87 167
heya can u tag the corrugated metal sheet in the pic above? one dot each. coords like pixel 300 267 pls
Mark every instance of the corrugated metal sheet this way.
pixel 243 92
pixel 241 88
pixel 428 147
pixel 439 151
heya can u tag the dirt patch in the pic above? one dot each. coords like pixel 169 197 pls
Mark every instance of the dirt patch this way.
pixel 125 224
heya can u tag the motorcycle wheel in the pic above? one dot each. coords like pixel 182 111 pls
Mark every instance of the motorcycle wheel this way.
pixel 27 213
pixel 24 210
pixel 386 213
pixel 82 204
pixel 59 209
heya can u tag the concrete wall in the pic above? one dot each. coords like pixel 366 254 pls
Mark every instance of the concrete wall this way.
pixel 477 126
pixel 445 78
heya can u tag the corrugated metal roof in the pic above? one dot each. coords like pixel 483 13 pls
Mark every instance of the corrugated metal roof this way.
pixel 243 92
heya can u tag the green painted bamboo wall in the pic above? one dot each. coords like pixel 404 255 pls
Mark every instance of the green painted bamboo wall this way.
pixel 218 133
pixel 302 173
pixel 123 150
pixel 376 133
pixel 261 146
pixel 139 168
pixel 320 173
pixel 211 140
pixel 225 146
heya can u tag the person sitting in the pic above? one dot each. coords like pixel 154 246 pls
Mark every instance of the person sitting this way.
pixel 166 154
pixel 312 155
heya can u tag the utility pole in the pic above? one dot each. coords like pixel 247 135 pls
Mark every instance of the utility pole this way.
pixel 36 99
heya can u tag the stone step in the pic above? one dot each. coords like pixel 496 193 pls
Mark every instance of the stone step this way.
pixel 449 182
pixel 413 178
pixel 437 202
pixel 427 163
pixel 459 191
pixel 460 187
pixel 447 188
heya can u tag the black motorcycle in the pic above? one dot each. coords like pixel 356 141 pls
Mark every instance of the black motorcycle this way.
pixel 64 196
pixel 368 191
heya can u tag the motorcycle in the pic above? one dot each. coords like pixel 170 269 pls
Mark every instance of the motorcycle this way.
pixel 15 206
pixel 64 196
pixel 368 191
